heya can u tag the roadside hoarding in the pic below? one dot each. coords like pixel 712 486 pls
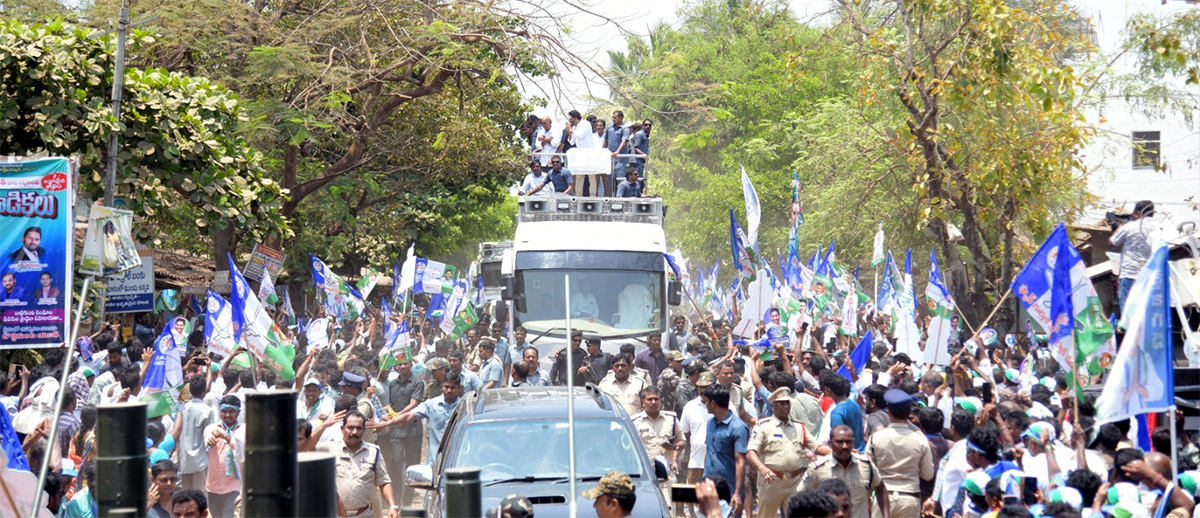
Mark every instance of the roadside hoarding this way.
pixel 264 258
pixel 36 252
pixel 132 290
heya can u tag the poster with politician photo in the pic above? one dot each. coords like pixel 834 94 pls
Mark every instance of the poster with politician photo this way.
pixel 108 248
pixel 36 249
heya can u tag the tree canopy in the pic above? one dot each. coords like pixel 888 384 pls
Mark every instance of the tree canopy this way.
pixel 920 115
pixel 184 160
pixel 382 120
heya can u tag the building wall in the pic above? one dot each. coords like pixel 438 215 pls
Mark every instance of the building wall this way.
pixel 1175 188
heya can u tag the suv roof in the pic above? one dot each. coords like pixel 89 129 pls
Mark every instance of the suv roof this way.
pixel 536 403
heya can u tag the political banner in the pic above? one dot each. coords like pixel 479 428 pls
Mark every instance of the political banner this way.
pixel 753 211
pixel 428 276
pixel 369 280
pixel 904 316
pixel 108 248
pixel 453 302
pixel 218 325
pixel 877 255
pixel 341 299
pixel 264 258
pixel 36 252
pixel 1094 346
pixel 942 320
pixel 1142 378
pixel 132 290
pixel 253 325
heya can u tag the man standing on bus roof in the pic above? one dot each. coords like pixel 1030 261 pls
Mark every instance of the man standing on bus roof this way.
pixel 616 139
pixel 631 187
pixel 546 141
pixel 1133 240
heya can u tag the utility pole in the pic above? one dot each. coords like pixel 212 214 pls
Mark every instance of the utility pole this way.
pixel 110 179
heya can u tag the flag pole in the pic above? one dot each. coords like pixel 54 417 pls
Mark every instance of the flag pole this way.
pixel 62 392
pixel 1187 330
pixel 997 308
pixel 1174 447
pixel 570 367
pixel 876 298
pixel 964 319
pixel 703 316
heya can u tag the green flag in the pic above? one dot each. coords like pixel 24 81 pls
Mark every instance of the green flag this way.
pixel 162 402
pixel 464 319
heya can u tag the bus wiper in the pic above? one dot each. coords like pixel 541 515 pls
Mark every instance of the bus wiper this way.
pixel 546 332
pixel 527 478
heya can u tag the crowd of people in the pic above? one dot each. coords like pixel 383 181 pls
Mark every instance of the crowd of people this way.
pixel 998 433
pixel 586 156
pixel 792 427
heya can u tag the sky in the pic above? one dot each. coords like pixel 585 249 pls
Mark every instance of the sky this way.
pixel 598 26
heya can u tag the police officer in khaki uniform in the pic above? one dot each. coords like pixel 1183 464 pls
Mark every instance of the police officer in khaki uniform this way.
pixel 855 469
pixel 359 465
pixel 660 432
pixel 659 429
pixel 780 449
pixel 903 456
pixel 623 387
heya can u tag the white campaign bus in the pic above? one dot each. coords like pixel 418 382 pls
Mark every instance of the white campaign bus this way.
pixel 612 251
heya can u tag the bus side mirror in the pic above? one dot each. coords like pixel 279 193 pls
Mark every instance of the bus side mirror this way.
pixel 674 293
pixel 510 287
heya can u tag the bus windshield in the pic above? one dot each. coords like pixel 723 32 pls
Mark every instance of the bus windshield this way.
pixel 608 303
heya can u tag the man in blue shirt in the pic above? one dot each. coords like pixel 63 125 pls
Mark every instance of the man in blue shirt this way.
pixel 845 410
pixel 491 373
pixel 639 144
pixel 561 178
pixel 630 187
pixel 646 125
pixel 502 350
pixel 9 291
pixel 470 381
pixel 437 411
pixel 725 443
pixel 616 139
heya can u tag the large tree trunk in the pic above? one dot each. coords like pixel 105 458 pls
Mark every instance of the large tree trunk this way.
pixel 224 244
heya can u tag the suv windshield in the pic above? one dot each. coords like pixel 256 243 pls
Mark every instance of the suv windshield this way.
pixel 538 448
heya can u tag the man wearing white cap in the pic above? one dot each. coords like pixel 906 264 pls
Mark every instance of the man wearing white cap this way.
pixel 780 450
pixel 313 406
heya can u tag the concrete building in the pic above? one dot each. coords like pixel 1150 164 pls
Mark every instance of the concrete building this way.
pixel 1139 155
